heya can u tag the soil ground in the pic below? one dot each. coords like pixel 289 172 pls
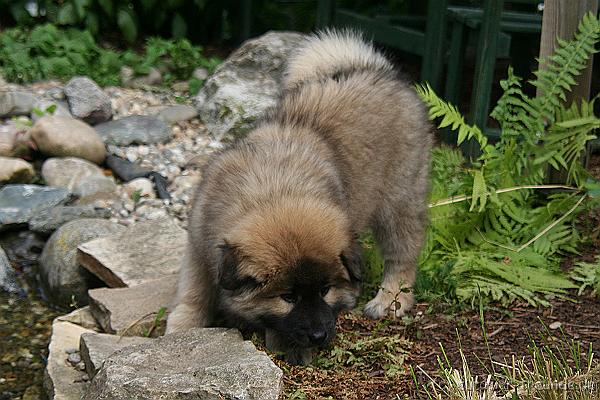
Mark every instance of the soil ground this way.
pixel 429 328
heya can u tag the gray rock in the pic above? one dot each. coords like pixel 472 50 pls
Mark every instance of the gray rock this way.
pixel 63 136
pixel 132 311
pixel 81 177
pixel 135 129
pixel 15 170
pixel 8 278
pixel 8 138
pixel 62 109
pixel 97 347
pixel 82 317
pixel 61 275
pixel 61 380
pixel 209 363
pixel 19 203
pixel 245 85
pixel 153 78
pixel 143 186
pixel 200 73
pixel 147 250
pixel 47 221
pixel 87 101
pixel 16 103
pixel 177 113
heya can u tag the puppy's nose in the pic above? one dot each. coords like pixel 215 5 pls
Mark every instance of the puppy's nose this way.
pixel 317 337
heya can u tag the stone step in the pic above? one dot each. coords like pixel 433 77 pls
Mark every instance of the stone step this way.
pixel 203 363
pixel 62 379
pixel 147 250
pixel 97 347
pixel 132 311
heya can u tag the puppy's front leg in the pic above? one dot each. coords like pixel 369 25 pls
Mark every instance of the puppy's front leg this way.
pixel 399 232
pixel 292 355
pixel 195 297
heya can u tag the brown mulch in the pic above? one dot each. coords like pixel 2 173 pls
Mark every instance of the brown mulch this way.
pixel 509 331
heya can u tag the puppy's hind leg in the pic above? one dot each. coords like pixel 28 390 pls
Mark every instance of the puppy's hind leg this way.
pixel 195 297
pixel 399 231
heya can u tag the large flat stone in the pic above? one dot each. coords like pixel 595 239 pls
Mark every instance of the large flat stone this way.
pixel 62 381
pixel 82 317
pixel 145 251
pixel 19 203
pixel 97 347
pixel 205 363
pixel 132 311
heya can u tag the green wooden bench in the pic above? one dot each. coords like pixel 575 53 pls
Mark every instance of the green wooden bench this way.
pixel 489 25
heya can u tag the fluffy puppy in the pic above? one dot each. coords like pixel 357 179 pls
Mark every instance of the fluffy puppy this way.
pixel 273 228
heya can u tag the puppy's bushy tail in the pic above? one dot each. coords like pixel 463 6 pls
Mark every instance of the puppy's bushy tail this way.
pixel 331 52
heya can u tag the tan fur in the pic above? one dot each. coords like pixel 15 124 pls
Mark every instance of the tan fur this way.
pixel 346 150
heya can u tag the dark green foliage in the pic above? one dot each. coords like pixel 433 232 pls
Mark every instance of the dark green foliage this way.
pixel 131 19
pixel 49 52
pixel 492 231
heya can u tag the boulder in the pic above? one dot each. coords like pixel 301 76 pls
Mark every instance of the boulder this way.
pixel 81 177
pixel 64 136
pixel 47 221
pixel 132 311
pixel 19 203
pixel 208 363
pixel 97 347
pixel 15 170
pixel 64 280
pixel 146 250
pixel 8 278
pixel 245 85
pixel 62 380
pixel 135 129
pixel 87 101
pixel 16 103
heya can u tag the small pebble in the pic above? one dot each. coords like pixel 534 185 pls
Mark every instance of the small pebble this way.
pixel 74 358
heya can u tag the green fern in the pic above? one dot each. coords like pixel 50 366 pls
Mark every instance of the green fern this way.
pixel 491 231
pixel 587 275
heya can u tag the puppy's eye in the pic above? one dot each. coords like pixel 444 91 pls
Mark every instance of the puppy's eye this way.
pixel 324 291
pixel 290 298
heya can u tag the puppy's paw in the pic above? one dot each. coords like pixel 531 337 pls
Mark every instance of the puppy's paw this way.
pixel 395 304
pixel 185 317
pixel 298 356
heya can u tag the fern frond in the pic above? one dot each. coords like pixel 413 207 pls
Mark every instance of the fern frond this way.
pixel 559 71
pixel 451 117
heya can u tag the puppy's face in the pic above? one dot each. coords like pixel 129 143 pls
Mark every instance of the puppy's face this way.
pixel 299 301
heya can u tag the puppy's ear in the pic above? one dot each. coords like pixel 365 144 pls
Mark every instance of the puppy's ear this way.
pixel 352 259
pixel 229 273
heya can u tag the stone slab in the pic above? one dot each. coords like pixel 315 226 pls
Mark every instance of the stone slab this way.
pixel 97 347
pixel 83 317
pixel 19 203
pixel 132 311
pixel 62 381
pixel 203 363
pixel 147 250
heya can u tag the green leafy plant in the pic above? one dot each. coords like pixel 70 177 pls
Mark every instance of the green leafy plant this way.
pixel 131 19
pixel 47 52
pixel 349 350
pixel 496 227
pixel 588 276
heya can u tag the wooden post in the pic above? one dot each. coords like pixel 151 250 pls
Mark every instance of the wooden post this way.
pixel 561 19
